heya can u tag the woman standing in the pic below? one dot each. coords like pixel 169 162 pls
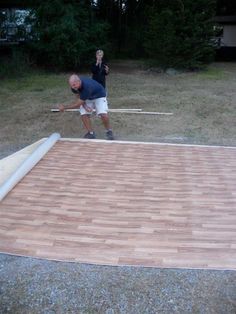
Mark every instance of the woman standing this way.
pixel 100 69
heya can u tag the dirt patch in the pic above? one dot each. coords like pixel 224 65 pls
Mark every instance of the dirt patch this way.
pixel 203 106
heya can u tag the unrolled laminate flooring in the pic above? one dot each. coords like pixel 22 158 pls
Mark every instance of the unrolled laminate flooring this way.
pixel 117 203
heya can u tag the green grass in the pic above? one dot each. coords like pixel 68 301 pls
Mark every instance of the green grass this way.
pixel 202 103
pixel 34 82
pixel 212 73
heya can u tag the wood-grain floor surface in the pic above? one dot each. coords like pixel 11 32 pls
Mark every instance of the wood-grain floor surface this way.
pixel 126 204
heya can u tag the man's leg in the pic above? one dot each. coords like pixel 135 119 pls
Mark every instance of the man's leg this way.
pixel 87 122
pixel 105 120
pixel 85 117
pixel 102 109
pixel 106 123
pixel 88 126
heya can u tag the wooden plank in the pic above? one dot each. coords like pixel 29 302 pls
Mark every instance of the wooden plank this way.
pixel 130 111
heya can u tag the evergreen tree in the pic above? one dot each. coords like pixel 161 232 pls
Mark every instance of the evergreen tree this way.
pixel 179 33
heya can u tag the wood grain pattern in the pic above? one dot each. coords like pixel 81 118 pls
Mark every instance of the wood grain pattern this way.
pixel 126 204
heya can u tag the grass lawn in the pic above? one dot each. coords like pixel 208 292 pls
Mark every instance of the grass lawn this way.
pixel 203 105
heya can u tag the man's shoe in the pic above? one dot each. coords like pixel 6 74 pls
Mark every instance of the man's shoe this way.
pixel 90 135
pixel 109 135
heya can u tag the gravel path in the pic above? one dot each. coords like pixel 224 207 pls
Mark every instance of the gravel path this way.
pixel 31 286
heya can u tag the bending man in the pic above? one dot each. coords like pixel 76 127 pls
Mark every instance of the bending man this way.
pixel 91 96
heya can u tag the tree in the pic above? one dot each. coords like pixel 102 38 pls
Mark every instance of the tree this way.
pixel 226 7
pixel 175 33
pixel 65 34
pixel 111 12
pixel 179 33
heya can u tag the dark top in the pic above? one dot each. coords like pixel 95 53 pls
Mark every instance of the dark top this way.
pixel 90 89
pixel 99 73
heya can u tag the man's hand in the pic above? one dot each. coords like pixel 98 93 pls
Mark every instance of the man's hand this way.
pixel 87 108
pixel 61 108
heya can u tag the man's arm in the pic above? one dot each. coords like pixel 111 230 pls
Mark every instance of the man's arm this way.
pixel 75 105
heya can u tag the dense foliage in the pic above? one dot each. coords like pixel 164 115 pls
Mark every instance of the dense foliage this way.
pixel 65 34
pixel 173 33
pixel 179 32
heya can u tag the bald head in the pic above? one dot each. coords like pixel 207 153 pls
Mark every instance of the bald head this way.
pixel 74 81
